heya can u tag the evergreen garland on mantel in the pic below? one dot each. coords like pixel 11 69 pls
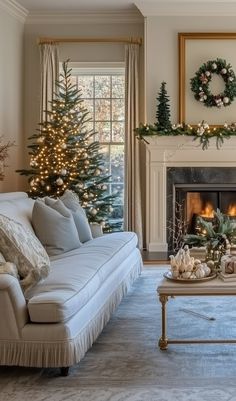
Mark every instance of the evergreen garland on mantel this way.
pixel 163 127
pixel 202 133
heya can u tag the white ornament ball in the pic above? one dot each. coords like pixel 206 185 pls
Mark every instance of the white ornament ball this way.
pixel 63 171
pixel 207 73
pixel 104 187
pixel 85 196
pixel 59 182
pixel 223 71
pixel 93 212
pixel 63 145
pixel 214 66
pixel 231 79
pixel 110 209
pixel 226 100
pixel 97 171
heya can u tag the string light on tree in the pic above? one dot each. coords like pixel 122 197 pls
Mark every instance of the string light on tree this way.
pixel 64 155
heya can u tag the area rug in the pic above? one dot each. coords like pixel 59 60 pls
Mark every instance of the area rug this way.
pixel 125 363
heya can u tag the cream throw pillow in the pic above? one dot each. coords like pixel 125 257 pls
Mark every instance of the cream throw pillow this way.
pixel 21 247
pixel 54 226
pixel 71 201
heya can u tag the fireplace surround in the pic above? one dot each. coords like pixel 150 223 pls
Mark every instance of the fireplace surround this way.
pixel 177 163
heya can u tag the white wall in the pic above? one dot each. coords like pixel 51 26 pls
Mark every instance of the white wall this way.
pixel 162 54
pixel 11 94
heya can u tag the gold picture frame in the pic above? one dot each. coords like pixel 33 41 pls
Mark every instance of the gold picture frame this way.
pixel 194 50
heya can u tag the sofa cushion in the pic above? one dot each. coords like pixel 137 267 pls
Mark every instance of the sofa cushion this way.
pixel 77 275
pixel 17 206
pixel 71 201
pixel 54 226
pixel 20 246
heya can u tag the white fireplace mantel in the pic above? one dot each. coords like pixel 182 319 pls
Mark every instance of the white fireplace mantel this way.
pixel 179 151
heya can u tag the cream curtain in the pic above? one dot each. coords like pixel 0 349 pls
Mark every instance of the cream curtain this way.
pixel 49 64
pixel 133 214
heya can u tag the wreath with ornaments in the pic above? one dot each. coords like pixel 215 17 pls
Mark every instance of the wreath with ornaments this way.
pixel 200 83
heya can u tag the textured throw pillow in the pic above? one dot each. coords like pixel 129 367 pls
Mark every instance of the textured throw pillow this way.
pixel 9 268
pixel 71 201
pixel 54 226
pixel 21 247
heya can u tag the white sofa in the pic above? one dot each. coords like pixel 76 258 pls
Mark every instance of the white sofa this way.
pixel 65 313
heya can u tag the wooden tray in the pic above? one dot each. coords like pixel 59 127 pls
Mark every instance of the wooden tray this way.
pixel 168 275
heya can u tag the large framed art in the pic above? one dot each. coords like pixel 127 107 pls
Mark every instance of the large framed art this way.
pixel 196 50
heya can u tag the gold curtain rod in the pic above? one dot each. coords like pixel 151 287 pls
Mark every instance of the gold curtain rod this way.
pixel 137 41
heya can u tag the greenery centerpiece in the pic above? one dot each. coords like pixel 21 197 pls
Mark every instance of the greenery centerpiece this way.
pixel 216 235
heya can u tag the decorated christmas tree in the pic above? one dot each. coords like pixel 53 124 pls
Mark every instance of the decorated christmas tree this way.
pixel 163 110
pixel 64 155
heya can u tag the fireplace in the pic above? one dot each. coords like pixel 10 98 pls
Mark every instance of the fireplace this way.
pixel 194 192
pixel 176 162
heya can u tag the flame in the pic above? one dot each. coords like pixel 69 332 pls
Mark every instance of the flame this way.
pixel 231 210
pixel 208 210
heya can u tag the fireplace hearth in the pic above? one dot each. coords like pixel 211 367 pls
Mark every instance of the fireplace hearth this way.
pixel 194 192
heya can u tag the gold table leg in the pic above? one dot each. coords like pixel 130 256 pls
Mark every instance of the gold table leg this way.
pixel 163 341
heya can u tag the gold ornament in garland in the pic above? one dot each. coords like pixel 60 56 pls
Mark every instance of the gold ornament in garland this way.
pixel 200 83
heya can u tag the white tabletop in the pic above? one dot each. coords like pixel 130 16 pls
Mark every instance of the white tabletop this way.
pixel 215 286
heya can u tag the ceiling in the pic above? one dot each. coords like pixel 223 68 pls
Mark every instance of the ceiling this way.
pixel 77 5
pixel 146 7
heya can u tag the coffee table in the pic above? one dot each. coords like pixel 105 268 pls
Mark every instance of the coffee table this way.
pixel 167 289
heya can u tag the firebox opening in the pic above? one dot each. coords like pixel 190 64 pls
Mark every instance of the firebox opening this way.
pixel 195 191
pixel 203 203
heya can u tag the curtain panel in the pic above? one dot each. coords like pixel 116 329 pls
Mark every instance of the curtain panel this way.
pixel 133 211
pixel 49 64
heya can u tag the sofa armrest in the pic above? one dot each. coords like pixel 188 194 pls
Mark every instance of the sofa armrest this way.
pixel 96 230
pixel 13 308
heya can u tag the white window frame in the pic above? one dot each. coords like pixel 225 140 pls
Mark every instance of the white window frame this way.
pixel 102 68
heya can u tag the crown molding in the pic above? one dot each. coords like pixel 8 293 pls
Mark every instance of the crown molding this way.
pixel 14 9
pixel 209 8
pixel 107 17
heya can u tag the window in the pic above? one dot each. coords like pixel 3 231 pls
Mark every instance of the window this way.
pixel 103 92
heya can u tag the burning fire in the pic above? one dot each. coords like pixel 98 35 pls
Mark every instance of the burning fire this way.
pixel 231 210
pixel 208 210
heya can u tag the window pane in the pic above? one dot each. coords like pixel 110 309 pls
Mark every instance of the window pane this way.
pixel 73 80
pixel 85 84
pixel 102 110
pixel 104 131
pixel 118 189
pixel 117 163
pixel 102 86
pixel 118 131
pixel 118 86
pixel 105 150
pixel 118 110
pixel 88 105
